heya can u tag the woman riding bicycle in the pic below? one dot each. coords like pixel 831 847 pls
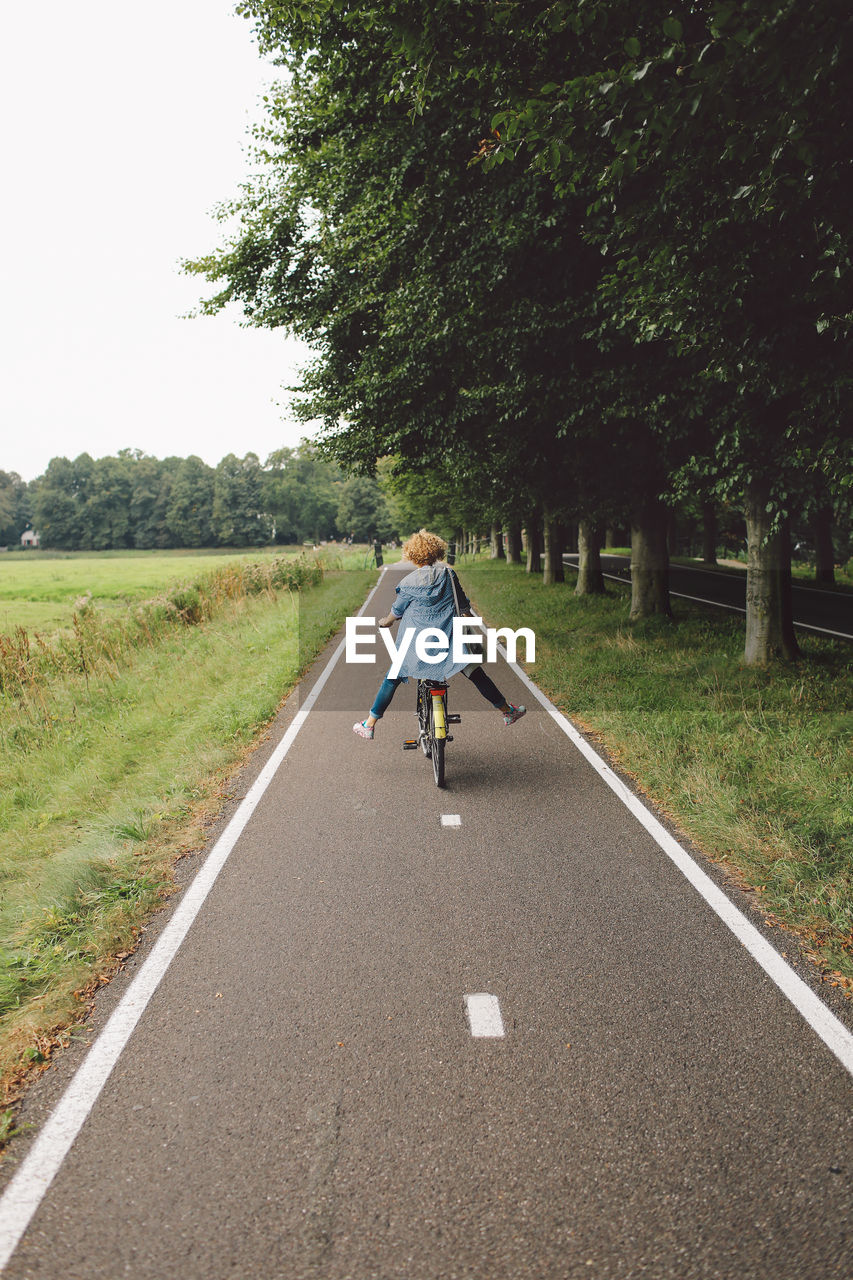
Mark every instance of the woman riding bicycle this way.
pixel 427 595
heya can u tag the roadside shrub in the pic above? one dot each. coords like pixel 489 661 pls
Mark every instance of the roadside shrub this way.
pixel 189 604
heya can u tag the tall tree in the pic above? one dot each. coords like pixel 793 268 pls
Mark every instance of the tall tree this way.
pixel 301 494
pixel 15 507
pixel 146 514
pixel 105 515
pixel 238 516
pixel 190 510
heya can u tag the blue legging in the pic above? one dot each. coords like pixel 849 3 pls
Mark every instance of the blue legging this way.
pixel 478 678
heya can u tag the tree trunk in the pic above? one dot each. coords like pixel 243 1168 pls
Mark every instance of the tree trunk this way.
pixel 534 546
pixel 609 537
pixel 649 562
pixel 553 563
pixel 590 578
pixel 559 546
pixel 824 550
pixel 709 533
pixel 497 544
pixel 513 544
pixel 769 626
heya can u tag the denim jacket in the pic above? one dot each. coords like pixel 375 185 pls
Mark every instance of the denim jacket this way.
pixel 425 599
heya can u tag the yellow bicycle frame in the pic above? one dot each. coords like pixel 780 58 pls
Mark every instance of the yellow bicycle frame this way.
pixel 439 719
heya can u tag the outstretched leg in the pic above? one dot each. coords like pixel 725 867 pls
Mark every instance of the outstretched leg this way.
pixel 387 689
pixel 490 691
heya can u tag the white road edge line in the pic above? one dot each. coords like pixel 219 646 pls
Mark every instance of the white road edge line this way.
pixel 29 1185
pixel 451 820
pixel 484 1016
pixel 734 608
pixel 803 626
pixel 831 1030
pixel 709 573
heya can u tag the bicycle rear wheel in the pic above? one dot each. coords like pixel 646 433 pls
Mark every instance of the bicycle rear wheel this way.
pixel 437 744
pixel 438 761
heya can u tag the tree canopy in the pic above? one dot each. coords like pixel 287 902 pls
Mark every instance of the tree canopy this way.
pixel 133 500
pixel 582 259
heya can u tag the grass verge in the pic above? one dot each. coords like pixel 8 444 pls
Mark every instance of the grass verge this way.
pixel 40 589
pixel 753 765
pixel 119 779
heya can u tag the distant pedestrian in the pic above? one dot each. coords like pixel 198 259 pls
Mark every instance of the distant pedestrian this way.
pixel 377 553
pixel 431 595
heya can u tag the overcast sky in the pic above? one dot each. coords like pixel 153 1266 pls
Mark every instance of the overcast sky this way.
pixel 122 127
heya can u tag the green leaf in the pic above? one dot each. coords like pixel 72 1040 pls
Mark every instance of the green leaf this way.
pixel 632 47
pixel 722 13
pixel 672 28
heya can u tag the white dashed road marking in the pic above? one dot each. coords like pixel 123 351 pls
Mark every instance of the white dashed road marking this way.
pixel 484 1016
pixel 451 820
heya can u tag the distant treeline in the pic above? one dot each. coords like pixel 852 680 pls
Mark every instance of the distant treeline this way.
pixel 134 500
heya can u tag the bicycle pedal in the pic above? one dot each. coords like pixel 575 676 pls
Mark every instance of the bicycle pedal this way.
pixel 454 719
pixel 410 744
pixel 449 738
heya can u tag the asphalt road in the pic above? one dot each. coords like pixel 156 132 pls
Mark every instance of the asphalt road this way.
pixel 815 608
pixel 303 1096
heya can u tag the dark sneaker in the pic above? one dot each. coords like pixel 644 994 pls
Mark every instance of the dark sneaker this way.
pixel 514 713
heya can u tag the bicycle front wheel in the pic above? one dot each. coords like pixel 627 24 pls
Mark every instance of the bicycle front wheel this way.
pixel 437 720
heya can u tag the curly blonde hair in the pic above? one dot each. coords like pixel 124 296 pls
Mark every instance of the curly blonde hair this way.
pixel 424 548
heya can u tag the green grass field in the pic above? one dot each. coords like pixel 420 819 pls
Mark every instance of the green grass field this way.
pixel 39 589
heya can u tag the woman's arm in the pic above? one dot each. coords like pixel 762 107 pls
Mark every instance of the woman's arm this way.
pixel 399 607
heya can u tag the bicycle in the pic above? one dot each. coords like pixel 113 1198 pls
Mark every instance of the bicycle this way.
pixel 433 719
